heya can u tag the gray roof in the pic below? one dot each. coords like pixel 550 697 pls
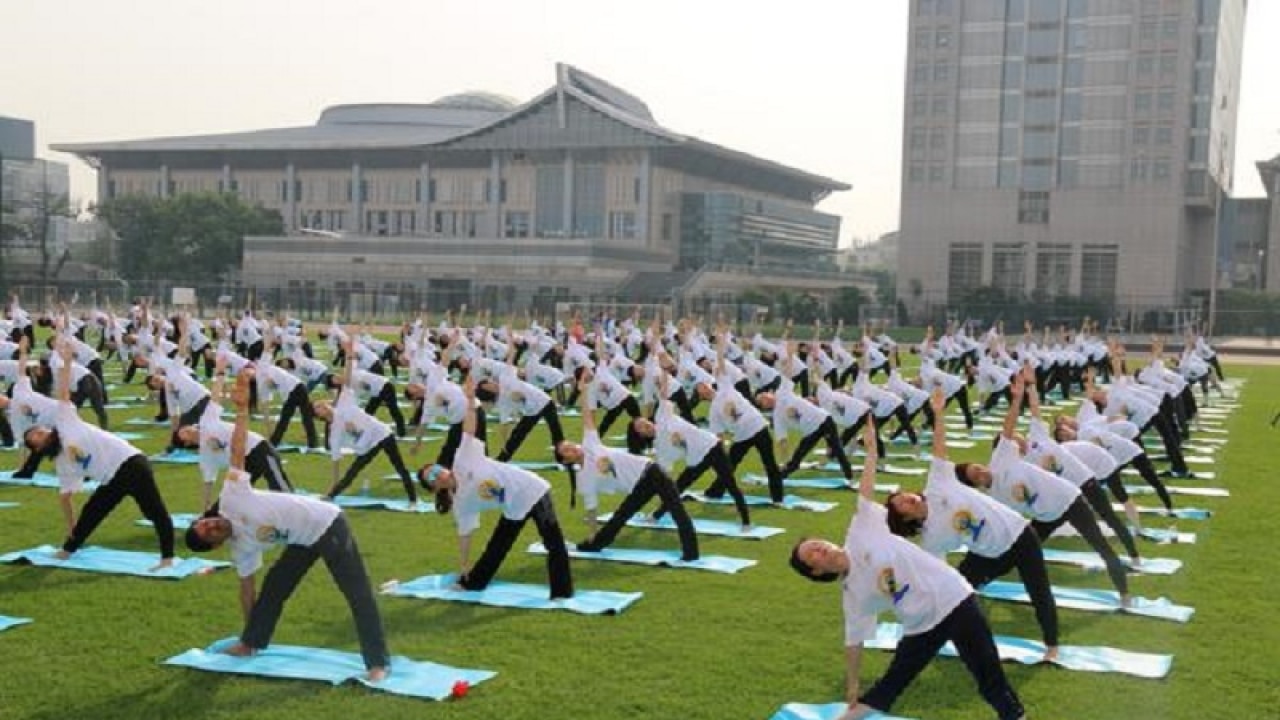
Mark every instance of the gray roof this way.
pixel 439 124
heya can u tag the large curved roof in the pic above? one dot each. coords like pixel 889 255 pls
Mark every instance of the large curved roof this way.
pixel 479 100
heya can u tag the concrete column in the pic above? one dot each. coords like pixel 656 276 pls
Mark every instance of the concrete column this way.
pixel 164 181
pixel 290 199
pixel 495 195
pixel 645 212
pixel 226 177
pixel 104 182
pixel 357 200
pixel 567 210
pixel 424 200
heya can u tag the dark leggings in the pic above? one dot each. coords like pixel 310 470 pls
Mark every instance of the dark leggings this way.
pixel 89 388
pixel 133 479
pixel 387 396
pixel 652 482
pixel 1025 554
pixel 263 461
pixel 298 400
pixel 504 536
pixel 392 450
pixel 852 431
pixel 904 423
pixel 763 443
pixel 716 460
pixel 962 396
pixel 968 631
pixel 526 425
pixel 1101 504
pixel 1082 519
pixel 994 399
pixel 629 405
pixel 826 431
pixel 1143 465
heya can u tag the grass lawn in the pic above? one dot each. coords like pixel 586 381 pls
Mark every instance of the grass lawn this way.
pixel 698 645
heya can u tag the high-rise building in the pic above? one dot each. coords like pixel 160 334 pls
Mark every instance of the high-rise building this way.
pixel 1067 148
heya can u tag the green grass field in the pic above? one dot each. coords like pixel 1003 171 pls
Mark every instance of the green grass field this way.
pixel 698 645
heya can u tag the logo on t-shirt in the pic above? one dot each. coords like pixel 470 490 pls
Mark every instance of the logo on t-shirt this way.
pixel 604 466
pixel 678 441
pixel 1023 494
pixel 270 534
pixel 490 491
pixel 215 444
pixel 888 584
pixel 79 457
pixel 965 523
pixel 352 431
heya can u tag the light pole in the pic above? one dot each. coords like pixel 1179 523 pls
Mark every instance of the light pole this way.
pixel 1260 274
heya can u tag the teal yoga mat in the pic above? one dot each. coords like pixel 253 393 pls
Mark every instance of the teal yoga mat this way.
pixel 828 711
pixel 789 502
pixel 656 558
pixel 1107 601
pixel 413 678
pixel 114 562
pixel 1070 657
pixel 512 595
pixel 703 526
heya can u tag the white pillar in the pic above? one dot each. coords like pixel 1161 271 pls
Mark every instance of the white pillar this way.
pixel 164 181
pixel 495 195
pixel 357 199
pixel 290 199
pixel 566 218
pixel 226 177
pixel 645 212
pixel 424 198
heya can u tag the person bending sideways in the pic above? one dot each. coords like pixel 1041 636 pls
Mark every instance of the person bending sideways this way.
pixel 251 521
pixel 880 571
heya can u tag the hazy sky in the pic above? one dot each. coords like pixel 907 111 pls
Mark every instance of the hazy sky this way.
pixel 816 84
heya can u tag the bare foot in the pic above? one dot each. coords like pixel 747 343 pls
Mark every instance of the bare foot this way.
pixel 239 649
pixel 376 674
pixel 1051 654
pixel 62 555
pixel 164 563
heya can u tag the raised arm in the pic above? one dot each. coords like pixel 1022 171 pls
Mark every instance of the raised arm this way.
pixel 469 418
pixel 1033 398
pixel 584 392
pixel 867 484
pixel 1015 404
pixel 240 433
pixel 938 402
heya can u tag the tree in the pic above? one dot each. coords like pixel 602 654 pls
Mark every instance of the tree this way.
pixel 192 238
pixel 847 304
pixel 31 223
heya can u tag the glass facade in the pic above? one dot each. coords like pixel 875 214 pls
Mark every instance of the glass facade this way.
pixel 721 228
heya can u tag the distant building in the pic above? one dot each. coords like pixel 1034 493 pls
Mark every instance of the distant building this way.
pixel 876 256
pixel 577 193
pixel 1269 253
pixel 27 186
pixel 1063 148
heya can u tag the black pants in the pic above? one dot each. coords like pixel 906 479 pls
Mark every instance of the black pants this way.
pixel 826 431
pixel 629 405
pixel 504 536
pixel 1101 504
pixel 717 460
pixel 1082 519
pixel 526 425
pixel 6 431
pixel 652 482
pixel 1143 465
pixel 133 479
pixel 298 400
pixel 961 395
pixel 763 443
pixel 342 556
pixel 904 423
pixel 392 450
pixel 454 439
pixel 993 399
pixel 852 431
pixel 91 389
pixel 263 461
pixel 1217 367
pixel 969 632
pixel 1169 438
pixel 387 396
pixel 1025 554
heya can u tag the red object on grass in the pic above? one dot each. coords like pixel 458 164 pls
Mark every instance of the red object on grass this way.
pixel 460 689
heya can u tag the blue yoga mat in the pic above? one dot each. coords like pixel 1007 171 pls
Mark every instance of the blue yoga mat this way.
pixel 181 521
pixel 1107 601
pixel 537 465
pixel 702 526
pixel 1182 513
pixel 177 457
pixel 1169 480
pixel 413 678
pixel 7 622
pixel 367 502
pixel 130 436
pixel 888 469
pixel 9 504
pixel 512 595
pixel 1093 561
pixel 1160 536
pixel 789 502
pixel 817 483
pixel 1177 490
pixel 656 558
pixel 294 448
pixel 1070 657
pixel 115 562
pixel 147 422
pixel 41 480
pixel 829 711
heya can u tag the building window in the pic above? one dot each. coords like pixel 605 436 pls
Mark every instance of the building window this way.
pixel 1163 135
pixel 1138 169
pixel 1053 270
pixel 1141 135
pixel 450 223
pixel 516 224
pixel 922 39
pixel 1008 269
pixel 622 225
pixel 964 269
pixel 915 173
pixel 1033 208
pixel 668 226
pixel 1098 272
pixel 936 174
pixel 944 38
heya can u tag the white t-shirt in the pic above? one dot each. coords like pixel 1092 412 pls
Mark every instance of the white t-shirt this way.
pixel 273 380
pixel 676 439
pixel 1027 488
pixel 961 516
pixel 844 408
pixel 262 520
pixel 87 451
pixel 731 413
pixel 354 428
pixel 517 398
pixel 792 412
pixel 29 408
pixel 606 470
pixel 444 402
pixel 1047 453
pixel 484 484
pixel 367 384
pixel 215 442
pixel 1097 459
pixel 887 572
